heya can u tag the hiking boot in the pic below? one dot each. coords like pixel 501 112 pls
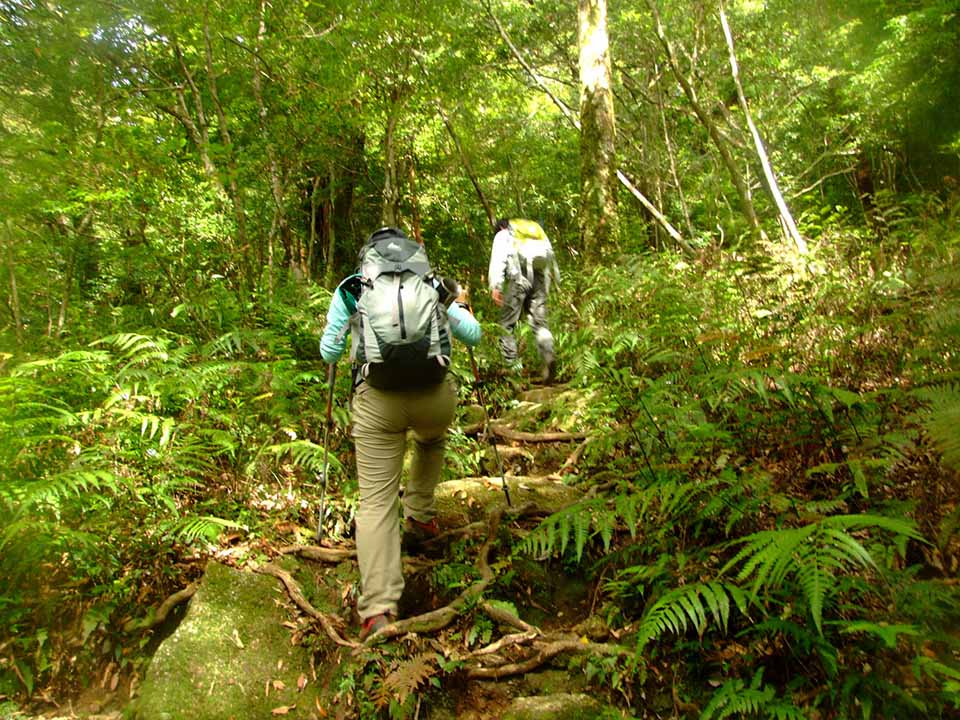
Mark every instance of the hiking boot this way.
pixel 416 533
pixel 549 370
pixel 373 624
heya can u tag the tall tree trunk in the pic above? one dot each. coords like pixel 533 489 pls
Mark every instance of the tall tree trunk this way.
pixel 237 194
pixel 598 168
pixel 390 214
pixel 280 219
pixel 414 199
pixel 785 216
pixel 568 113
pixel 330 227
pixel 743 190
pixel 198 133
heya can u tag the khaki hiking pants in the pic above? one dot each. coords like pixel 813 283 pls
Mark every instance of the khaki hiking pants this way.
pixel 381 419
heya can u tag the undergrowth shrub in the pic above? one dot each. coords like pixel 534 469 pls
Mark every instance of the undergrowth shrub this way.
pixel 765 420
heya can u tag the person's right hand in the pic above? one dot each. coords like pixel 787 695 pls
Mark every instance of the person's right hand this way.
pixel 497 296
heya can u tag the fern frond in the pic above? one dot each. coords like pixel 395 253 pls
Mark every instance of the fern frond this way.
pixel 206 527
pixel 305 454
pixel 735 699
pixel 689 606
pixel 669 498
pixel 812 554
pixel 941 422
pixel 408 676
pixel 53 489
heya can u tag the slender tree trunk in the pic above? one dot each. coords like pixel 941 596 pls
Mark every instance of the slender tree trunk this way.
pixel 743 190
pixel 330 227
pixel 277 186
pixel 598 165
pixel 237 194
pixel 66 292
pixel 671 156
pixel 199 135
pixel 785 216
pixel 467 166
pixel 14 295
pixel 389 215
pixel 414 199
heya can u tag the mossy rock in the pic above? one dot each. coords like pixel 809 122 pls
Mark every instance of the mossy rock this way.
pixel 231 657
pixel 470 415
pixel 469 499
pixel 551 409
pixel 562 706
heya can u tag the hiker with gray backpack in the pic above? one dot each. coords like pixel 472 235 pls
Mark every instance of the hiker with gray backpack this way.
pixel 400 316
pixel 522 265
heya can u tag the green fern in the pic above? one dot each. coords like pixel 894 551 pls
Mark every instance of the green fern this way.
pixel 668 500
pixel 811 554
pixel 735 699
pixel 306 454
pixel 941 421
pixel 200 527
pixel 690 606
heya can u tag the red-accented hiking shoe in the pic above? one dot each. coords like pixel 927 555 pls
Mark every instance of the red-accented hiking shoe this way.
pixel 373 624
pixel 417 533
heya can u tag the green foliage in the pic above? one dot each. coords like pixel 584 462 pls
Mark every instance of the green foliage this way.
pixel 689 607
pixel 757 700
pixel 810 556
pixel 941 421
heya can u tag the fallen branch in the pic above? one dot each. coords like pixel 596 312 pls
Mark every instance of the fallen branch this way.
pixel 504 642
pixel 145 623
pixel 544 652
pixel 293 590
pixel 315 552
pixel 505 617
pixel 520 436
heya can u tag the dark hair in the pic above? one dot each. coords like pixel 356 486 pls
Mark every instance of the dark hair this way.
pixel 501 224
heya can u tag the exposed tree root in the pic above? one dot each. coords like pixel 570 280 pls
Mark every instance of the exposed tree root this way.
pixel 145 623
pixel 441 617
pixel 472 428
pixel 543 651
pixel 321 554
pixel 519 436
pixel 475 529
pixel 293 589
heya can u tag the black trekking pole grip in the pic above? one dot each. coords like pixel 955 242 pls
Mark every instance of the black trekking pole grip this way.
pixel 486 425
pixel 331 376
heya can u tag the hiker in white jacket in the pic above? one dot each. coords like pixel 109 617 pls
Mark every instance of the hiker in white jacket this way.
pixel 521 268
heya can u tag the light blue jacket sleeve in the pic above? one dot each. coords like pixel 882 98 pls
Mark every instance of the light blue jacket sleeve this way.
pixel 464 325
pixel 334 339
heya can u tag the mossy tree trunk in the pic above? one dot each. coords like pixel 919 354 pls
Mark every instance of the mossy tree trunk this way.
pixel 598 169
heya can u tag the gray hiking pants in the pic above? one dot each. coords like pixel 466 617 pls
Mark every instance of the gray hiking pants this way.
pixel 523 298
pixel 381 419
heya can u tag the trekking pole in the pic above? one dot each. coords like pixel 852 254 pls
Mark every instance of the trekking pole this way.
pixel 331 375
pixel 486 425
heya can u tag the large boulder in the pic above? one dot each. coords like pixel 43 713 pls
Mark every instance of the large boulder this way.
pixel 231 657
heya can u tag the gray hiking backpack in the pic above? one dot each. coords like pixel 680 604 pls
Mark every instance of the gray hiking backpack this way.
pixel 401 337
